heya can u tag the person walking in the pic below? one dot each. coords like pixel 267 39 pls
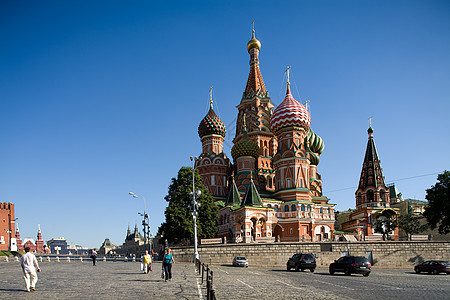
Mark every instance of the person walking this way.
pixel 29 266
pixel 94 256
pixel 167 264
pixel 147 261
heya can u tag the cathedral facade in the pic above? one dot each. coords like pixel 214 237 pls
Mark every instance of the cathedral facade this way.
pixel 271 189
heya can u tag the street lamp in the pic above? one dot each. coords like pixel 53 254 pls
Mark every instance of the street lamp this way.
pixel 195 206
pixel 145 221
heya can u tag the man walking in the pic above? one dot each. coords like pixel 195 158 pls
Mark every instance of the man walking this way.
pixel 29 266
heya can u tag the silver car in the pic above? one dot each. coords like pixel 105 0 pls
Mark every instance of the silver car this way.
pixel 240 261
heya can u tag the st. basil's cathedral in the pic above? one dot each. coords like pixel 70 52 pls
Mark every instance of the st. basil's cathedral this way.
pixel 271 190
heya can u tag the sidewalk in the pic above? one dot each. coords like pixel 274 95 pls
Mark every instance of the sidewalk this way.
pixel 112 280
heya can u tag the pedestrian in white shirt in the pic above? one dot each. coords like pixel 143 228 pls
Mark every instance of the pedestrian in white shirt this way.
pixel 29 266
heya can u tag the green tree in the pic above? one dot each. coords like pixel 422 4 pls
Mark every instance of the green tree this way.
pixel 411 225
pixel 437 211
pixel 385 226
pixel 179 225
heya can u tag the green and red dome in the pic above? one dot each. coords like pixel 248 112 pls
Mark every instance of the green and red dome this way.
pixel 211 124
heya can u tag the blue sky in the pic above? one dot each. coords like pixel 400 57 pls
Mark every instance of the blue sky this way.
pixel 99 98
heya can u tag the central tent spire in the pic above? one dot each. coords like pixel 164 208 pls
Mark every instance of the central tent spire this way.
pixel 255 84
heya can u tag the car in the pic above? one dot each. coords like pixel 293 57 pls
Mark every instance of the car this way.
pixel 301 261
pixel 240 261
pixel 351 264
pixel 433 267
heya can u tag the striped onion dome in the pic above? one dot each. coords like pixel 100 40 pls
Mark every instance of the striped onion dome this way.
pixel 315 145
pixel 290 113
pixel 211 124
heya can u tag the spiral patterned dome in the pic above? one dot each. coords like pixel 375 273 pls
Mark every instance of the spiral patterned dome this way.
pixel 245 147
pixel 211 124
pixel 315 145
pixel 315 142
pixel 290 113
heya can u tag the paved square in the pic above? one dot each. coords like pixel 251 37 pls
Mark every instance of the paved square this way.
pixel 106 280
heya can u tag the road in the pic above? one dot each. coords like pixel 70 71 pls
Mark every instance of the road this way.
pixel 120 280
pixel 277 283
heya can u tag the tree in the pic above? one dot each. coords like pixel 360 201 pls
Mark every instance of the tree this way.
pixel 411 225
pixel 437 211
pixel 385 226
pixel 179 225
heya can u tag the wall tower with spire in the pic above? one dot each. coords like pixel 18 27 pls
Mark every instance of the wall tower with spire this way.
pixel 372 196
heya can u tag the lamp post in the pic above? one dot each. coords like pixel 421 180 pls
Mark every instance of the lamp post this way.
pixel 145 221
pixel 195 207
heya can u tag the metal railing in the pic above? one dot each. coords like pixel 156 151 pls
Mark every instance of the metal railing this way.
pixel 207 277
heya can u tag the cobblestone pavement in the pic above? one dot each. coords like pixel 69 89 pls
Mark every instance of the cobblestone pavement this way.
pixel 106 280
pixel 119 280
pixel 277 283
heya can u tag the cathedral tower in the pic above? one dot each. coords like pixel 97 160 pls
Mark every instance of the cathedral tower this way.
pixel 256 108
pixel 290 122
pixel 213 165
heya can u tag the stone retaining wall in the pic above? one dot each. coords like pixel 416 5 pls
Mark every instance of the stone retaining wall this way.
pixel 385 254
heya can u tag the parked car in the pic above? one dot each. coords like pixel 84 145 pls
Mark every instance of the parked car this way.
pixel 240 261
pixel 433 267
pixel 351 264
pixel 301 262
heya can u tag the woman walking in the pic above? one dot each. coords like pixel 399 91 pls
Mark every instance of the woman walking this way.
pixel 167 264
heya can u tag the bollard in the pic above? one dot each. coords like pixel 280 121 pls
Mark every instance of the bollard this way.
pixel 134 258
pixel 40 258
pixel 6 258
pixel 48 258
pixel 68 258
pixel 104 258
pixel 81 259
pixel 57 258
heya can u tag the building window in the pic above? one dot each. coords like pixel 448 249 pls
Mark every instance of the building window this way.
pixel 321 210
pixel 293 207
pixel 308 208
pixel 302 207
pixel 286 208
pixel 269 206
pixel 275 208
pixel 213 180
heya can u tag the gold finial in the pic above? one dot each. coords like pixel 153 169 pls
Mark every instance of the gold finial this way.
pixel 253 43
pixel 288 83
pixel 307 105
pixel 370 122
pixel 210 97
pixel 244 123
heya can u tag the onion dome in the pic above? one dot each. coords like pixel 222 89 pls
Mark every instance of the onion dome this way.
pixel 211 124
pixel 290 113
pixel 253 43
pixel 315 147
pixel 315 142
pixel 245 146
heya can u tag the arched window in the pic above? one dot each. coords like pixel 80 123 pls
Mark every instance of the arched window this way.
pixel 308 208
pixel 275 208
pixel 269 206
pixel 302 207
pixel 321 210
pixel 293 207
pixel 359 199
pixel 369 196
pixel 286 208
pixel 382 196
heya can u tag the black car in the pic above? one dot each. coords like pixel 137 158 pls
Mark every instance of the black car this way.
pixel 301 262
pixel 351 264
pixel 433 267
